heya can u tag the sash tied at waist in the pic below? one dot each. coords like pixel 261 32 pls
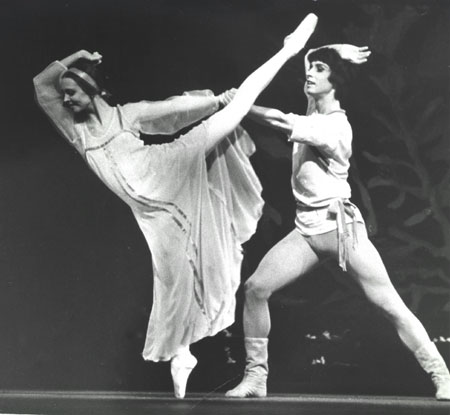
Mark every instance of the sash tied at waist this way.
pixel 338 208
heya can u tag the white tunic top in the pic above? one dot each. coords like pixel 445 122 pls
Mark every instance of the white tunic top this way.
pixel 320 163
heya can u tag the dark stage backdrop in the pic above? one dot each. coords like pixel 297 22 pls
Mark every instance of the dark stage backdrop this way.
pixel 75 273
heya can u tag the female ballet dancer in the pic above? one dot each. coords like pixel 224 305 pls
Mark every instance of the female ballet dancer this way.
pixel 196 199
pixel 324 217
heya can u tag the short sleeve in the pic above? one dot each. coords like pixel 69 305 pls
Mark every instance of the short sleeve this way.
pixel 331 133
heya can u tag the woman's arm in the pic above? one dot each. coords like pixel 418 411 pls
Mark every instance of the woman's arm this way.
pixel 226 120
pixel 81 54
pixel 49 97
pixel 173 114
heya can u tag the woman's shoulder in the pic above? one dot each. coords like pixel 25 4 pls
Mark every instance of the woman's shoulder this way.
pixel 130 112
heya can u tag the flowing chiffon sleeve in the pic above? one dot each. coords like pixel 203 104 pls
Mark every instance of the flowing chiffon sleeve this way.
pixel 171 115
pixel 49 98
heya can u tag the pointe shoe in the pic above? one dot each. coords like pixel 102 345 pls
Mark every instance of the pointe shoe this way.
pixel 296 41
pixel 181 367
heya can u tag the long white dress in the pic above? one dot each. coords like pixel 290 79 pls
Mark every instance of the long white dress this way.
pixel 194 211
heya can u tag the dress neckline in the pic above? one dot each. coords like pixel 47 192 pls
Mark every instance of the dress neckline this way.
pixel 105 130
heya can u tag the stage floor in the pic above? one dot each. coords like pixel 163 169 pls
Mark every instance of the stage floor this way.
pixel 127 403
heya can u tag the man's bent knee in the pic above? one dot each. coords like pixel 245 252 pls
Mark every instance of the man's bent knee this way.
pixel 254 290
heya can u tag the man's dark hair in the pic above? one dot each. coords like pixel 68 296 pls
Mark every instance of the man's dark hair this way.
pixel 342 71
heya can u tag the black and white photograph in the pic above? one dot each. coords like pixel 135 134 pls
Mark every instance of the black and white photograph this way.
pixel 225 207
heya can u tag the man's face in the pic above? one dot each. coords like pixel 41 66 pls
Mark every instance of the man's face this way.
pixel 317 79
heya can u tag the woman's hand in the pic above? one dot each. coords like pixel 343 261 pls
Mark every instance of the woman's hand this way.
pixel 296 41
pixel 354 54
pixel 94 57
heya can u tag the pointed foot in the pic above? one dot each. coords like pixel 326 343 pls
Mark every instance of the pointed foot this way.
pixel 181 367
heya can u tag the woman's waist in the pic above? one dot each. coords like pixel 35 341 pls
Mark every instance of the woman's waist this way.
pixel 123 140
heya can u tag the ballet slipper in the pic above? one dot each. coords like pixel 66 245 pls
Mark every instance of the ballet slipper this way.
pixel 432 362
pixel 254 383
pixel 296 41
pixel 181 367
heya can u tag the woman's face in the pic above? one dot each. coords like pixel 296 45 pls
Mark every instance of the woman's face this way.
pixel 317 79
pixel 74 97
